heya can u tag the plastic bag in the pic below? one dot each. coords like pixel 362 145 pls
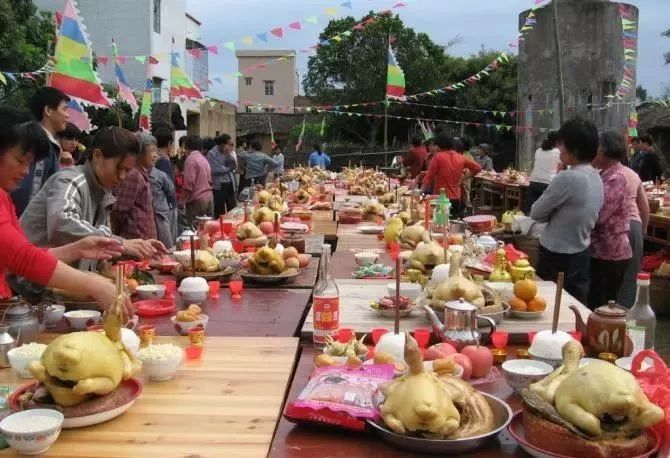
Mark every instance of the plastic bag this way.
pixel 655 382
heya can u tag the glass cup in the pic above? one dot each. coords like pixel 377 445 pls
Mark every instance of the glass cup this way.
pixel 422 336
pixel 499 339
pixel 236 287
pixel 344 335
pixel 214 287
pixel 170 287
pixel 147 333
pixel 196 336
pixel 377 334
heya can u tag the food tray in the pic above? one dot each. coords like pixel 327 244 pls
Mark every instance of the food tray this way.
pixel 251 277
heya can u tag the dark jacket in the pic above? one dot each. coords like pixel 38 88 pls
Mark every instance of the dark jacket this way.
pixel 40 172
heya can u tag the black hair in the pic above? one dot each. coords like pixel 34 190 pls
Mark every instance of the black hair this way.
pixel 222 139
pixel 207 143
pixel 179 162
pixel 417 141
pixel 485 147
pixel 551 141
pixel 646 139
pixel 182 140
pixel 317 148
pixel 16 129
pixel 444 141
pixel 613 145
pixel 46 97
pixel 459 147
pixel 164 136
pixel 193 143
pixel 467 144
pixel 115 142
pixel 580 138
pixel 71 132
pixel 429 141
pixel 256 145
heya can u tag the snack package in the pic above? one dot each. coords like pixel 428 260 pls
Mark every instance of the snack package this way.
pixel 655 382
pixel 340 396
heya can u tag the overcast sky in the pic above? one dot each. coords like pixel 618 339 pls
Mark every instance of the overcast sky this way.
pixel 488 23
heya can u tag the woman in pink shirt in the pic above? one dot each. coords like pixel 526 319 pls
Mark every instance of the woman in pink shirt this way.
pixel 611 250
pixel 198 195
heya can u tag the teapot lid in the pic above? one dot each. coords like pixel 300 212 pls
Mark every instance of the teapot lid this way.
pixel 18 311
pixel 612 309
pixel 461 305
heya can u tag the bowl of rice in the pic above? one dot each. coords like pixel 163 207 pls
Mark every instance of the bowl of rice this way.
pixel 160 362
pixel 33 431
pixel 20 357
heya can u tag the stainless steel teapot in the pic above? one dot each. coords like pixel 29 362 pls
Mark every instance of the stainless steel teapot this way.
pixel 460 324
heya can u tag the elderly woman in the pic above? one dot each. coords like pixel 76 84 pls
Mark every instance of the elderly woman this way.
pixel 133 212
pixel 20 145
pixel 610 247
pixel 570 207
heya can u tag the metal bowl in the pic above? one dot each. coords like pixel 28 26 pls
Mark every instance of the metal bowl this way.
pixel 502 415
pixel 497 317
pixel 280 279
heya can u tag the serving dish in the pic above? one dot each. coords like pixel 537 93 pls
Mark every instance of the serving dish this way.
pixel 280 279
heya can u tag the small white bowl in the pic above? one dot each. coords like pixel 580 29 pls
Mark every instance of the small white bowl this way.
pixel 194 297
pixel 79 320
pixel 151 291
pixel 366 258
pixel 183 327
pixel 517 379
pixel 553 362
pixel 27 434
pixel 20 363
pixel 411 290
pixel 161 370
pixel 54 315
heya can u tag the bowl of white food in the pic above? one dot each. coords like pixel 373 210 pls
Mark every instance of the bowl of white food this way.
pixel 150 291
pixel 20 357
pixel 161 362
pixel 411 290
pixel 79 320
pixel 32 432
pixel 520 373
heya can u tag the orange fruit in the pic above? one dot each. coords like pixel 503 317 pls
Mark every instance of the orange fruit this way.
pixel 132 285
pixel 525 289
pixel 537 304
pixel 518 305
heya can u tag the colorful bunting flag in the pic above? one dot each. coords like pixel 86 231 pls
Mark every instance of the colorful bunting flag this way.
pixel 122 87
pixel 72 74
pixel 263 37
pixel 180 85
pixel 395 80
pixel 147 101
pixel 277 32
pixel 78 116
pixel 312 20
pixel 295 25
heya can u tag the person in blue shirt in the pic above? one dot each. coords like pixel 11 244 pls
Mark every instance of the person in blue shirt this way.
pixel 49 107
pixel 318 158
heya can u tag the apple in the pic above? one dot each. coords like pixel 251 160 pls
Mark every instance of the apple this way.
pixel 290 252
pixel 465 363
pixel 292 263
pixel 304 259
pixel 438 351
pixel 267 227
pixel 481 358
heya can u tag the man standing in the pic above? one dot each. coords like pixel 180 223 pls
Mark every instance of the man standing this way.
pixel 198 196
pixel 415 157
pixel 446 172
pixel 652 165
pixel 165 143
pixel 256 164
pixel 319 159
pixel 483 158
pixel 49 107
pixel 223 164
pixel 278 157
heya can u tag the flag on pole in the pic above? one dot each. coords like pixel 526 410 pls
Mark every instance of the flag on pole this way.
pixel 147 100
pixel 395 81
pixel 301 137
pixel 323 127
pixel 272 134
pixel 122 87
pixel 78 116
pixel 73 71
pixel 181 85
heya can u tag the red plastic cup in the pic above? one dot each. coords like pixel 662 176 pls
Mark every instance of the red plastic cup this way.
pixel 170 287
pixel 236 287
pixel 238 246
pixel 345 335
pixel 531 336
pixel 227 226
pixel 576 335
pixel 377 334
pixel 422 336
pixel 499 339
pixel 193 352
pixel 214 287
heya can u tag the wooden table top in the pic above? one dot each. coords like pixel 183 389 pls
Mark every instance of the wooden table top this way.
pixel 299 441
pixel 349 238
pixel 355 297
pixel 501 183
pixel 225 404
pixel 343 262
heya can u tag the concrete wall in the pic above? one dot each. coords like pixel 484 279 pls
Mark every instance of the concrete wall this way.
pixel 217 119
pixel 592 52
pixel 282 73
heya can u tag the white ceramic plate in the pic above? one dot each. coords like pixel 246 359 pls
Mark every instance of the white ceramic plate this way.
pixel 371 229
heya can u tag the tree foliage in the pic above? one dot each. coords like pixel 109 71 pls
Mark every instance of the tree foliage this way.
pixel 26 37
pixel 641 94
pixel 667 54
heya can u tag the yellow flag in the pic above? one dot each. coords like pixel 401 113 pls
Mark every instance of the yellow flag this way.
pixel 3 80
pixel 331 11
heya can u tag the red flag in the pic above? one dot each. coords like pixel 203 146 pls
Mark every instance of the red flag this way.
pixel 278 32
pixel 295 25
pixel 213 49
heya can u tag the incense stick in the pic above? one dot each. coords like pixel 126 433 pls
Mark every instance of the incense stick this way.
pixel 557 302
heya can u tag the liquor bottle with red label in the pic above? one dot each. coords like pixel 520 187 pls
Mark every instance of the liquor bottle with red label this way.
pixel 325 303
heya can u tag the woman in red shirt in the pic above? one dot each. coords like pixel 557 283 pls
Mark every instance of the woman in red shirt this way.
pixel 19 144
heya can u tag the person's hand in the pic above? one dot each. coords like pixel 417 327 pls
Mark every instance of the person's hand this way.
pixel 140 249
pixel 104 293
pixel 158 246
pixel 98 248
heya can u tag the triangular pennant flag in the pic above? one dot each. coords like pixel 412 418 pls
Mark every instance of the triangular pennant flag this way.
pixel 103 60
pixel 331 11
pixel 346 5
pixel 195 53
pixel 248 41
pixel 295 25
pixel 123 88
pixel 141 59
pixel 278 32
pixel 11 77
pixel 230 45
pixel 263 37
pixel 153 60
pixel 312 20
pixel 181 85
pixel 3 80
pixel 336 38
pixel 213 49
pixel 346 33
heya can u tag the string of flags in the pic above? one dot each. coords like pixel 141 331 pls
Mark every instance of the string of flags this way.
pixel 629 27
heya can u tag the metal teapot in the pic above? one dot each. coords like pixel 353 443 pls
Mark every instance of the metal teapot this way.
pixel 25 322
pixel 184 240
pixel 460 324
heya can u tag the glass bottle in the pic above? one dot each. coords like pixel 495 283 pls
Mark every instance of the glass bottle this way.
pixel 325 302
pixel 641 320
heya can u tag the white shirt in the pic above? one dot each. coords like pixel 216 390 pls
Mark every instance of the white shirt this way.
pixel 546 165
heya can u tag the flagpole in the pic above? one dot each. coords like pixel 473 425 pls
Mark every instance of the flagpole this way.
pixel 170 88
pixel 386 116
pixel 117 106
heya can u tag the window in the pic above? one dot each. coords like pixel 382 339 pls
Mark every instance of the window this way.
pixel 269 87
pixel 247 81
pixel 269 110
pixel 157 16
pixel 247 109
pixel 156 90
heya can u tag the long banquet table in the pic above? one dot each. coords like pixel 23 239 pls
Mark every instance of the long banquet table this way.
pixel 226 404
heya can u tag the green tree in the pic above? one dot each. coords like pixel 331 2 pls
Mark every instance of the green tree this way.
pixel 354 69
pixel 120 112
pixel 641 93
pixel 26 37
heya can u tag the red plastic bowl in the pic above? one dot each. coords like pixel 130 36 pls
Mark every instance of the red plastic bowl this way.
pixel 154 307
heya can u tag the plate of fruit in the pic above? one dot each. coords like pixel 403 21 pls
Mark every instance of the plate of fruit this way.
pixel 386 306
pixel 526 304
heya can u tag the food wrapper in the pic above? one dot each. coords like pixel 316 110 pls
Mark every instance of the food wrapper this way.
pixel 655 382
pixel 340 396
